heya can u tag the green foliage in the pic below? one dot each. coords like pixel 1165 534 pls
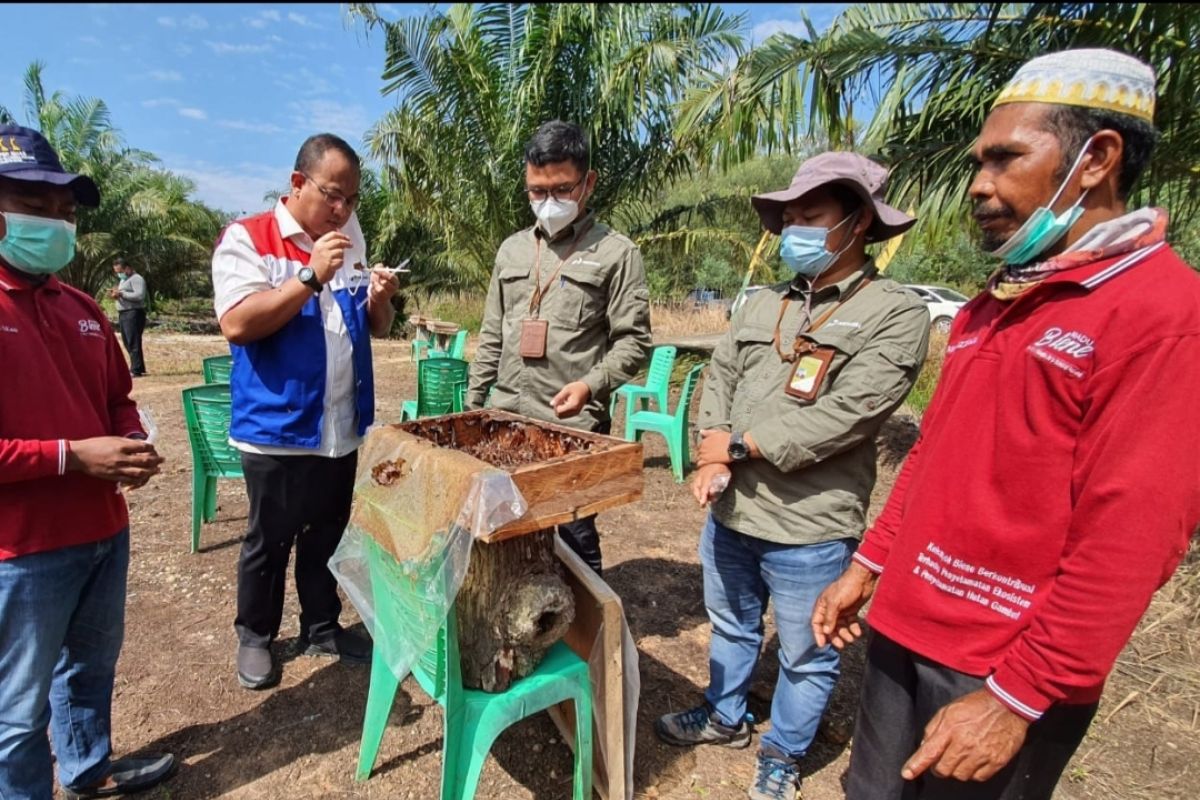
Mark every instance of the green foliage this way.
pixel 474 83
pixel 935 69
pixel 954 260
pixel 463 309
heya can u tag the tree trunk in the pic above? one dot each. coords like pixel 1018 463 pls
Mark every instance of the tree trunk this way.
pixel 512 607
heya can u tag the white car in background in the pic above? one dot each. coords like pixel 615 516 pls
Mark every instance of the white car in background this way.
pixel 943 304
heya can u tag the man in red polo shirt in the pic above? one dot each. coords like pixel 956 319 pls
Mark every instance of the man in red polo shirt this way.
pixel 69 436
pixel 1055 484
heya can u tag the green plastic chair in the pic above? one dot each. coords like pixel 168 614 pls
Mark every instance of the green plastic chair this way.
pixel 441 388
pixel 673 427
pixel 458 347
pixel 206 413
pixel 419 349
pixel 657 387
pixel 473 719
pixel 217 369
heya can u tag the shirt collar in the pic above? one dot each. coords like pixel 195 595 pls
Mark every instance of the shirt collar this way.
pixel 289 228
pixel 839 289
pixel 569 232
pixel 12 281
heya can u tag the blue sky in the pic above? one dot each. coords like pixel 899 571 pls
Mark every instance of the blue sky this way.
pixel 224 94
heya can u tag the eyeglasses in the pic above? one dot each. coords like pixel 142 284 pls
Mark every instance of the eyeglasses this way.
pixel 560 193
pixel 334 199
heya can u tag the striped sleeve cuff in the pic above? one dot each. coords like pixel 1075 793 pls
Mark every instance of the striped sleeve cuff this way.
pixel 868 563
pixel 63 451
pixel 1018 697
pixel 870 554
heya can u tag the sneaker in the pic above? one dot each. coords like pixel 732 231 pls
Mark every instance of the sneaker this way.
pixel 344 646
pixel 775 779
pixel 700 726
pixel 255 667
pixel 129 775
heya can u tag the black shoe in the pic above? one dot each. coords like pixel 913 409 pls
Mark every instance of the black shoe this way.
pixel 344 646
pixel 129 775
pixel 255 667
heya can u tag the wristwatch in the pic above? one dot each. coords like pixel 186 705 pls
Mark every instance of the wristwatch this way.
pixel 308 276
pixel 738 449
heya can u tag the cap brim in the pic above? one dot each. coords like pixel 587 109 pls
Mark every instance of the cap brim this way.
pixel 84 188
pixel 889 221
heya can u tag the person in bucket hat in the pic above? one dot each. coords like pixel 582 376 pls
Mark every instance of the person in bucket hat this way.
pixel 1055 484
pixel 69 437
pixel 795 394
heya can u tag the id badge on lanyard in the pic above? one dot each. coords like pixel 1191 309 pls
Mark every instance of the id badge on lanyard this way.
pixel 533 338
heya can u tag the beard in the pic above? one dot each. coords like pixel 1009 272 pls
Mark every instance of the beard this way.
pixel 989 240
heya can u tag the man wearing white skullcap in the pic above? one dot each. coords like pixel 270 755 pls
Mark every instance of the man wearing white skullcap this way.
pixel 1055 484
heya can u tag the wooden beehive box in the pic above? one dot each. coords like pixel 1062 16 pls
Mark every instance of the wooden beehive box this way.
pixel 562 473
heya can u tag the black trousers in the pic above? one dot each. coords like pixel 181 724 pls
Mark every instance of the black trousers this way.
pixel 581 535
pixel 133 324
pixel 301 500
pixel 901 693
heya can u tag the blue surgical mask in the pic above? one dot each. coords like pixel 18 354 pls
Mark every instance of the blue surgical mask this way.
pixel 37 245
pixel 1043 228
pixel 803 248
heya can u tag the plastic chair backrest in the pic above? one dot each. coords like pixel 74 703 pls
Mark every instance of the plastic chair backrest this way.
pixel 685 395
pixel 661 364
pixel 217 369
pixel 458 348
pixel 206 411
pixel 438 385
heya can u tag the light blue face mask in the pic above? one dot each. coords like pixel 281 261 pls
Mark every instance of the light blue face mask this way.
pixel 37 245
pixel 1043 228
pixel 803 248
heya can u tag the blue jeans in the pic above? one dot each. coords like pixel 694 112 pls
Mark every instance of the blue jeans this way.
pixel 62 620
pixel 740 573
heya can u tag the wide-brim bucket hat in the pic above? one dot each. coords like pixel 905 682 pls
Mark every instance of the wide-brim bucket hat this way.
pixel 860 174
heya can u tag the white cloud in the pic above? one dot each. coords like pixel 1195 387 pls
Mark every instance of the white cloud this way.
pixel 770 27
pixel 226 48
pixel 183 50
pixel 165 75
pixel 167 22
pixel 272 15
pixel 193 113
pixel 348 121
pixel 194 22
pixel 88 40
pixel 301 20
pixel 255 22
pixel 238 188
pixel 250 127
pixel 156 102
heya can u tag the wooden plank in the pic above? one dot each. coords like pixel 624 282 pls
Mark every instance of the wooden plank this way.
pixel 569 506
pixel 597 608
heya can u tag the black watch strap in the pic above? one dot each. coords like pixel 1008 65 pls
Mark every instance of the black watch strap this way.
pixel 311 280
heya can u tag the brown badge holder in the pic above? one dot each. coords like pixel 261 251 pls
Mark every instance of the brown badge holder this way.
pixel 808 372
pixel 533 338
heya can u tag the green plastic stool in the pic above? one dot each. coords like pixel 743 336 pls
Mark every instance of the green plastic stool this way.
pixel 673 427
pixel 657 387
pixel 206 413
pixel 472 719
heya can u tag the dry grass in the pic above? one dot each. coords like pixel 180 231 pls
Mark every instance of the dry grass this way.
pixel 675 319
pixel 922 391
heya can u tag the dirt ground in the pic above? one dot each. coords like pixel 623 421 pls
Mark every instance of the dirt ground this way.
pixel 177 690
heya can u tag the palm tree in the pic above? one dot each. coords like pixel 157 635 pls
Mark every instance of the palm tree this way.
pixel 933 71
pixel 473 84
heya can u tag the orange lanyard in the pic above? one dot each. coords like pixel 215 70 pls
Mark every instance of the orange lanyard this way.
pixel 797 347
pixel 540 291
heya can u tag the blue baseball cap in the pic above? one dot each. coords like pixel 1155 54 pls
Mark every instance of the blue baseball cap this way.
pixel 25 155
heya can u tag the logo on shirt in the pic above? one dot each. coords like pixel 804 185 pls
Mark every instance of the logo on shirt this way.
pixel 1056 343
pixel 961 344
pixel 841 323
pixel 8 329
pixel 90 327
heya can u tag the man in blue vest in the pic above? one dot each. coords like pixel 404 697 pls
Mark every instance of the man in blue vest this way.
pixel 298 305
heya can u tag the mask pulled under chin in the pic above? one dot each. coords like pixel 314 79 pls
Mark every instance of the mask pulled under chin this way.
pixel 37 245
pixel 554 215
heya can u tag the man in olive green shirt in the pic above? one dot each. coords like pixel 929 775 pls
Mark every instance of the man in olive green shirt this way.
pixel 794 397
pixel 567 318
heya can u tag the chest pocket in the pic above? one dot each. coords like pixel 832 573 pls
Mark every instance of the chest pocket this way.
pixel 754 344
pixel 581 300
pixel 515 288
